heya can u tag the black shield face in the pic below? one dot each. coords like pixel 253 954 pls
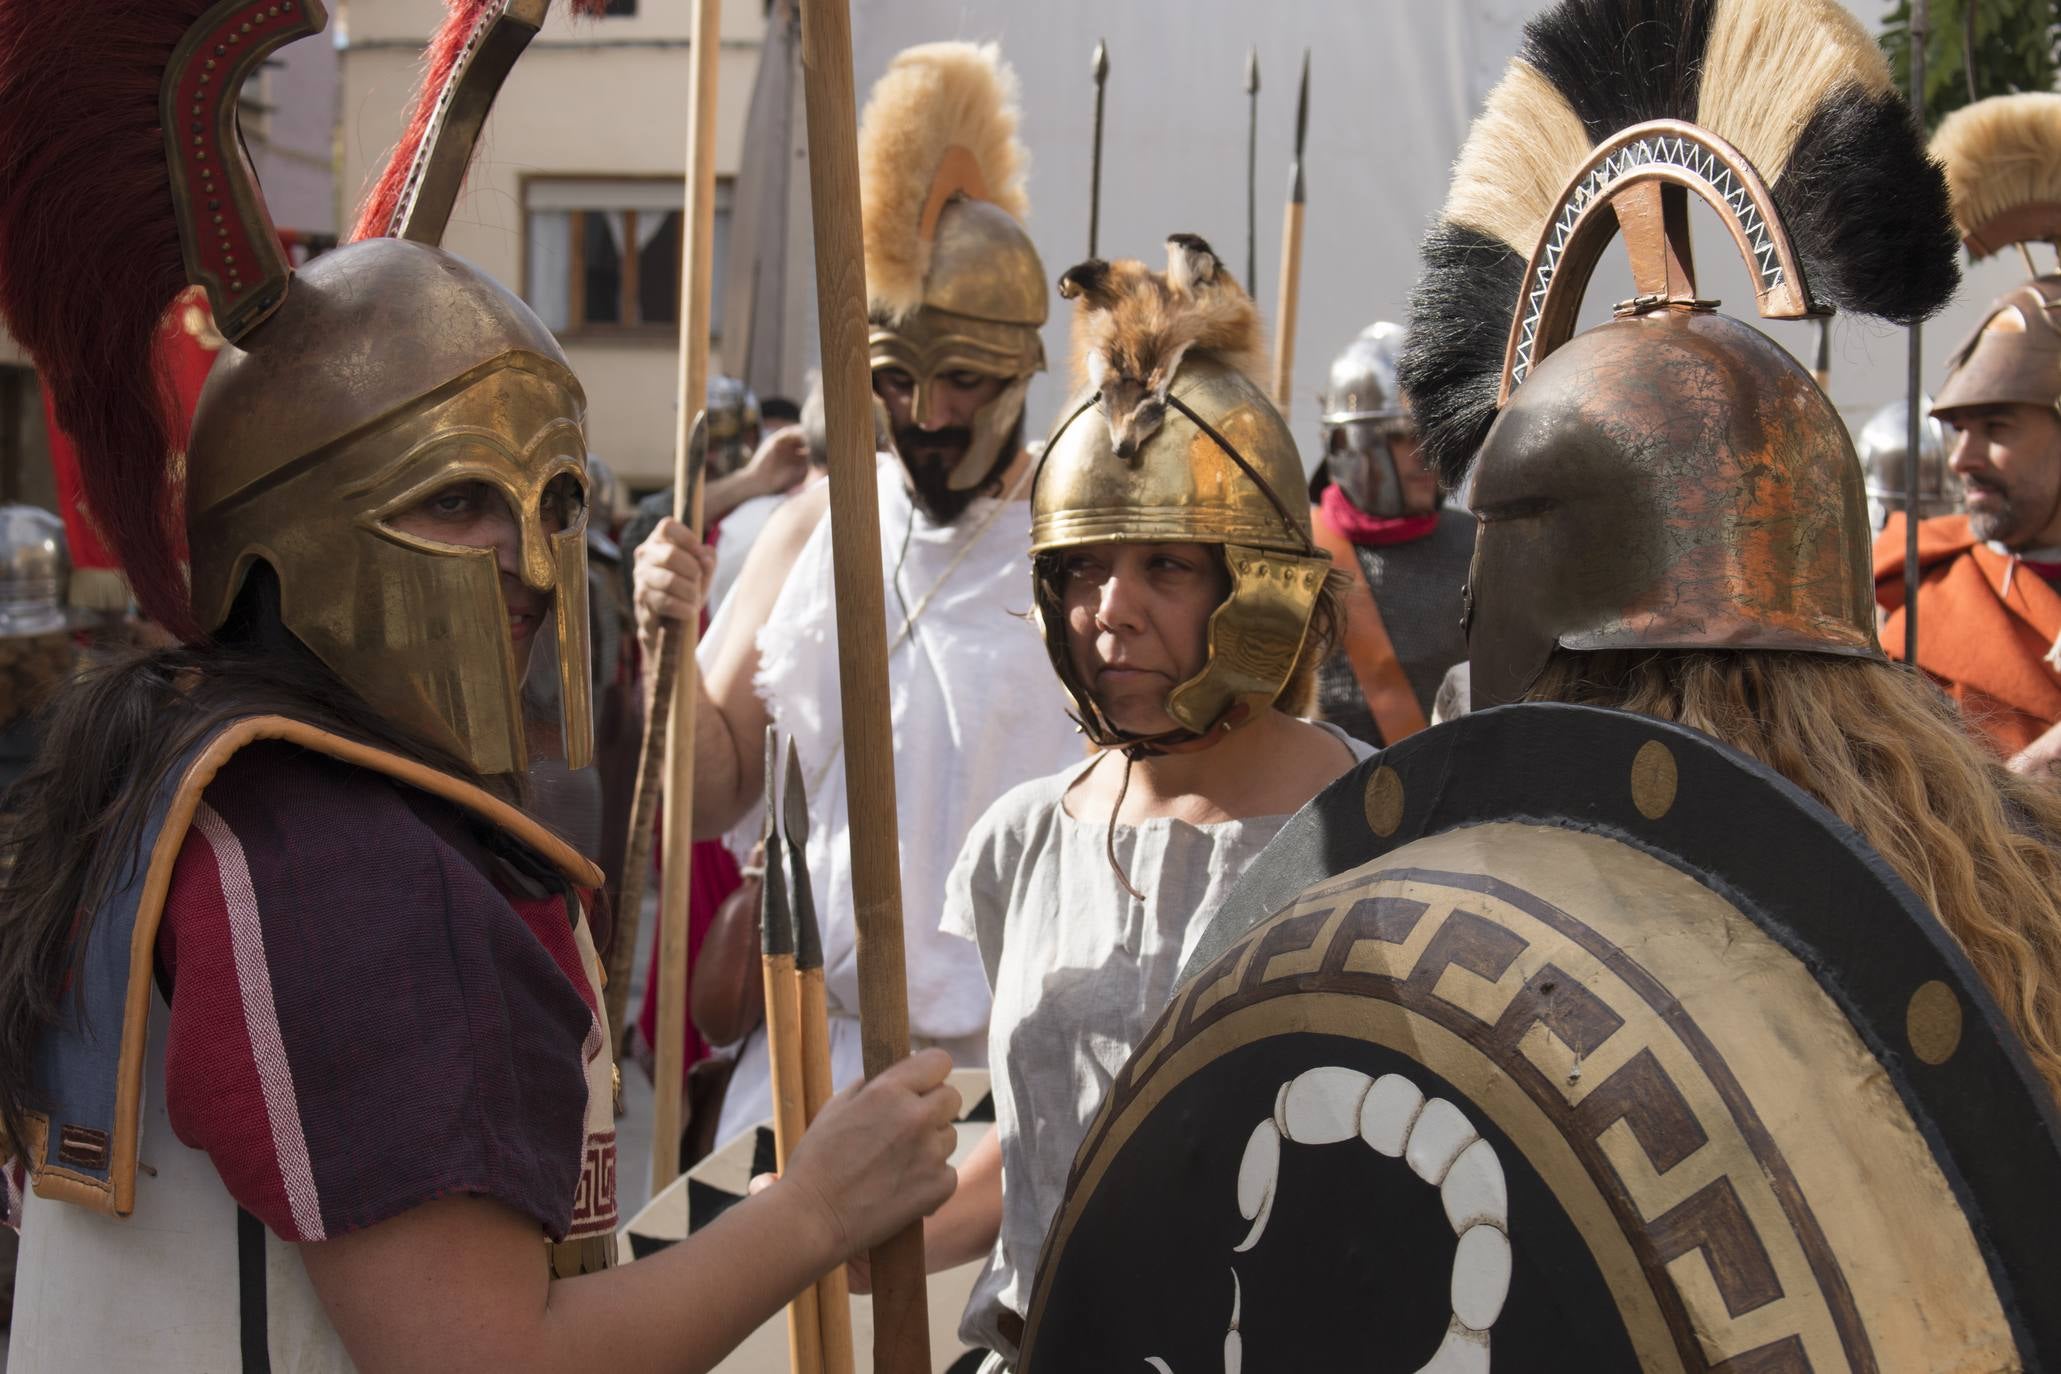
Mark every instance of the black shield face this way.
pixel 1572 1041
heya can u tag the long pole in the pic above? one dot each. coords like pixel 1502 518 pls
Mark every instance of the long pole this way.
pixel 1252 84
pixel 1914 382
pixel 1099 68
pixel 901 1319
pixel 698 240
pixel 1291 256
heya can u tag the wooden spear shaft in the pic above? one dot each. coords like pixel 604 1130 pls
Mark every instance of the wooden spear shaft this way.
pixel 697 261
pixel 1291 257
pixel 901 1323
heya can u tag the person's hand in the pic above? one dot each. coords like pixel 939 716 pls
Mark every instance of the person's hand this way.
pixel 781 461
pixel 879 1155
pixel 673 571
pixel 2041 758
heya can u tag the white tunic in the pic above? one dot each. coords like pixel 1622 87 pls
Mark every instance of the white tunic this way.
pixel 976 709
pixel 162 1289
pixel 1084 970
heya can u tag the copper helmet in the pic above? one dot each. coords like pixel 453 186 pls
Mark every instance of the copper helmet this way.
pixel 1672 478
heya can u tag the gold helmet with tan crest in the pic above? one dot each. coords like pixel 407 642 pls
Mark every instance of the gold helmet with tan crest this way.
pixel 953 282
pixel 1172 440
pixel 1672 478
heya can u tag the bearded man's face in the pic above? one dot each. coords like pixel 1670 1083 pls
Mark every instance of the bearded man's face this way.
pixel 931 445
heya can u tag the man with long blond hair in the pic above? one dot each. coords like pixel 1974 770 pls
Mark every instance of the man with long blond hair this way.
pixel 1671 512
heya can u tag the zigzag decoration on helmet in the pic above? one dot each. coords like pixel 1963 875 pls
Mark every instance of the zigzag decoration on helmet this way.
pixel 1783 116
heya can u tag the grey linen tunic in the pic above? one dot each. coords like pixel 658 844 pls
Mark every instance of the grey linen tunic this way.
pixel 1079 969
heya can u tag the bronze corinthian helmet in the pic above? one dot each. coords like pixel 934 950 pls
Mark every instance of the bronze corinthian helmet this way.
pixel 1672 478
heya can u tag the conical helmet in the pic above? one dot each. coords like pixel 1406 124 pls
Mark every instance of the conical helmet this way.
pixel 1672 478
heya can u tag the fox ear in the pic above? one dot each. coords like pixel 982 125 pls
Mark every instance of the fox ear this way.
pixel 1089 279
pixel 1190 262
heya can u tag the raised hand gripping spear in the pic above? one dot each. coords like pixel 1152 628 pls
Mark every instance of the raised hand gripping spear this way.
pixel 1291 253
pixel 901 1334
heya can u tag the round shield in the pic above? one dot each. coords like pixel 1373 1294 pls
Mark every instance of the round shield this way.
pixel 1564 1039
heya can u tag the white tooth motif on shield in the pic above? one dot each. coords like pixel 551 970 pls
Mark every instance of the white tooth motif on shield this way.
pixel 1332 1104
pixel 1388 1114
pixel 1322 1106
pixel 1436 1140
pixel 1258 1172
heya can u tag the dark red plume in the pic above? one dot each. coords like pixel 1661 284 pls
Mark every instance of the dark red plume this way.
pixel 452 39
pixel 90 259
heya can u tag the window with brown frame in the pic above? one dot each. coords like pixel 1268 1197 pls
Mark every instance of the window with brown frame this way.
pixel 602 255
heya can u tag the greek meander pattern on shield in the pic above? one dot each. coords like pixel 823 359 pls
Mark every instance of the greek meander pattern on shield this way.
pixel 1654 1115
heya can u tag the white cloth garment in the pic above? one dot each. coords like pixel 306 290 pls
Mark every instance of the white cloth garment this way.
pixel 1083 971
pixel 976 709
pixel 161 1290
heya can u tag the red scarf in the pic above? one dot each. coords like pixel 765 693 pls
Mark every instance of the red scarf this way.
pixel 1372 531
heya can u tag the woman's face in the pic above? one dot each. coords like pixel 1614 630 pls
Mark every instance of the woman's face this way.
pixel 476 514
pixel 1137 624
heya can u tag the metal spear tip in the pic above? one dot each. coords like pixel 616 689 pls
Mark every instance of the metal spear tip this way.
pixel 776 924
pixel 808 937
pixel 1101 62
pixel 1252 71
pixel 795 808
pixel 1302 104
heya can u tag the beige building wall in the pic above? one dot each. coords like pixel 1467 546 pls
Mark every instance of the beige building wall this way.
pixel 594 98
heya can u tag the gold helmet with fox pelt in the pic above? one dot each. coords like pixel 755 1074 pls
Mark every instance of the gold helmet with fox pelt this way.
pixel 953 283
pixel 1672 478
pixel 2003 164
pixel 1172 440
